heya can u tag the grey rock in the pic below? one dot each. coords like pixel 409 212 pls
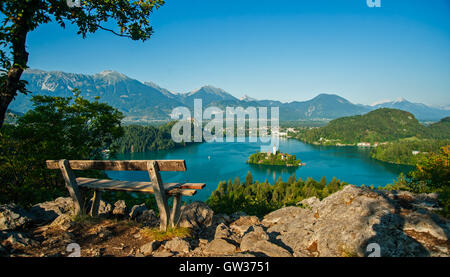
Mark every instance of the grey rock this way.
pixel 137 210
pixel 44 213
pixel 269 249
pixel 196 215
pixel 250 239
pixel 148 218
pixel 12 217
pixel 311 202
pixel 241 225
pixel 178 245
pixel 63 222
pixel 104 209
pixel 222 231
pixel 344 223
pixel 148 248
pixel 120 208
pixel 219 247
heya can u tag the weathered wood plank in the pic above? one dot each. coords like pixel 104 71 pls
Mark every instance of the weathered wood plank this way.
pixel 71 185
pixel 124 165
pixel 96 202
pixel 159 193
pixel 130 186
pixel 175 213
pixel 192 185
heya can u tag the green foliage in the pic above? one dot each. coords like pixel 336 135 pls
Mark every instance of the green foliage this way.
pixel 139 138
pixel 377 126
pixel 432 174
pixel 57 128
pixel 402 151
pixel 259 199
pixel 279 158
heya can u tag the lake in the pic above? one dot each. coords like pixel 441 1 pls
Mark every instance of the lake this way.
pixel 213 162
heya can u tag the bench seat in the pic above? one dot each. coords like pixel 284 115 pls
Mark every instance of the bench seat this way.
pixel 186 189
pixel 161 191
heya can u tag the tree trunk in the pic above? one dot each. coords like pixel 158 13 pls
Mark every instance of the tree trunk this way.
pixel 20 58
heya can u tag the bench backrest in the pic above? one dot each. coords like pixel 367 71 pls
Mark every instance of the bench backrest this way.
pixel 128 165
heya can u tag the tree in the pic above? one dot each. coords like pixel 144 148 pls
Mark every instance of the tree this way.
pixel 432 173
pixel 131 18
pixel 57 128
pixel 248 178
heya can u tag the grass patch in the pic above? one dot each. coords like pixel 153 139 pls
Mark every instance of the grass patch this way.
pixel 86 219
pixel 158 235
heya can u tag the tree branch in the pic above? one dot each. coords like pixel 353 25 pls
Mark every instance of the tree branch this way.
pixel 112 31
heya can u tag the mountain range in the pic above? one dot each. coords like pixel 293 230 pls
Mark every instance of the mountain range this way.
pixel 145 101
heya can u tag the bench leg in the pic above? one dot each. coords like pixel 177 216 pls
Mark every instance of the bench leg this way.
pixel 71 185
pixel 96 202
pixel 160 194
pixel 175 213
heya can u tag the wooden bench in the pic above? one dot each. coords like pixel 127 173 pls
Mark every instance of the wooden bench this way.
pixel 162 191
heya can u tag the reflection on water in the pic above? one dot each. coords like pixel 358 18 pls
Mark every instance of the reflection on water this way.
pixel 214 162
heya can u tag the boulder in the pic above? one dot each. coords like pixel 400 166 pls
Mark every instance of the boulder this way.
pixel 104 209
pixel 241 225
pixel 120 208
pixel 310 203
pixel 269 249
pixel 250 239
pixel 148 248
pixel 63 222
pixel 222 231
pixel 196 215
pixel 137 210
pixel 219 247
pixel 148 218
pixel 44 213
pixel 346 222
pixel 12 217
pixel 178 245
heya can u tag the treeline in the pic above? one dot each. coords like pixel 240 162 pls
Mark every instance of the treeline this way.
pixel 138 138
pixel 255 198
pixel 407 151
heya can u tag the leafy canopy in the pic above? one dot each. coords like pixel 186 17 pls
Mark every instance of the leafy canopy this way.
pixel 57 128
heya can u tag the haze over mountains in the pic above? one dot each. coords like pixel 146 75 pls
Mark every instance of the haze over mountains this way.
pixel 147 101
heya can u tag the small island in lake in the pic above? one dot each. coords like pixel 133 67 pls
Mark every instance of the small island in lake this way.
pixel 274 158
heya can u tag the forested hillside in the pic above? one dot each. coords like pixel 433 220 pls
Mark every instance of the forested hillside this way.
pixel 381 125
pixel 139 138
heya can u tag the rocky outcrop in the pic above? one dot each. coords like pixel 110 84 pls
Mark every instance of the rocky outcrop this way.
pixel 352 222
pixel 12 217
pixel 196 215
pixel 46 212
pixel 346 222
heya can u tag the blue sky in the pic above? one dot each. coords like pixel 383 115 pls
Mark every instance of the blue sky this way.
pixel 285 50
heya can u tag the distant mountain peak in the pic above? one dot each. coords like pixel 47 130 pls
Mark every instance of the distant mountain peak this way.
pixel 112 73
pixel 332 97
pixel 400 100
pixel 247 98
pixel 209 89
